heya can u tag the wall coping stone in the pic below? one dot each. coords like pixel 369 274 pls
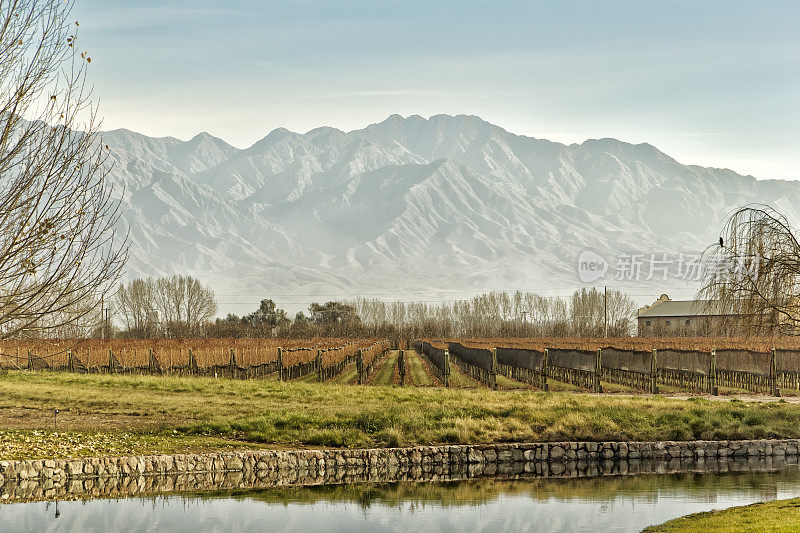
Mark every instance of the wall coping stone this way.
pixel 373 459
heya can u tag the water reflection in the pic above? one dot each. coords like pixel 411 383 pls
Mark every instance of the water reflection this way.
pixel 608 503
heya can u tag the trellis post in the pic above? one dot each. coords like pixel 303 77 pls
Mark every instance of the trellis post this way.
pixel 280 363
pixel 598 370
pixel 446 369
pixel 360 366
pixel 773 376
pixel 654 372
pixel 192 363
pixel 319 365
pixel 712 374
pixel 545 370
pixel 493 372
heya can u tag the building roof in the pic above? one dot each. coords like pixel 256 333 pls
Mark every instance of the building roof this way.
pixel 681 308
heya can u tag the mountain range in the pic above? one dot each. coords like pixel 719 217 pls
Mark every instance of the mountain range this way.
pixel 413 208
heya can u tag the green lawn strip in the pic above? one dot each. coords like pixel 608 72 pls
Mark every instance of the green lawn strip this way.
pixel 385 373
pixel 506 383
pixel 459 380
pixel 308 378
pixel 311 414
pixel 766 517
pixel 415 371
pixel 613 388
pixel 348 377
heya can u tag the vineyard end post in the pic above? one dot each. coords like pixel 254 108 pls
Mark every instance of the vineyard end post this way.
pixel 598 370
pixel 654 372
pixel 446 369
pixel 545 370
pixel 773 376
pixel 493 373
pixel 712 374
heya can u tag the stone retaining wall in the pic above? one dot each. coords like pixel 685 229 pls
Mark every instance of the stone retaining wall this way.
pixel 265 468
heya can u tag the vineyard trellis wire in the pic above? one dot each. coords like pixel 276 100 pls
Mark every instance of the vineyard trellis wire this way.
pixel 226 358
pixel 697 365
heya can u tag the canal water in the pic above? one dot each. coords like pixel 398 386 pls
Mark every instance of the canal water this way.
pixel 605 504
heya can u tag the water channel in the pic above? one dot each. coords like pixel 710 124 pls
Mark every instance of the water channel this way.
pixel 604 503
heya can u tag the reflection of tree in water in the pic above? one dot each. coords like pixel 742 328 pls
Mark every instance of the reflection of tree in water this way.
pixel 603 489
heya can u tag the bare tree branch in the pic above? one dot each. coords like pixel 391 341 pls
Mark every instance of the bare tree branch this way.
pixel 755 279
pixel 59 252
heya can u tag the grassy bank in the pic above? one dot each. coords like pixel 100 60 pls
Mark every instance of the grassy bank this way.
pixel 769 517
pixel 210 412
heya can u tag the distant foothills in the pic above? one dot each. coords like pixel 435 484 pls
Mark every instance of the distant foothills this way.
pixel 436 209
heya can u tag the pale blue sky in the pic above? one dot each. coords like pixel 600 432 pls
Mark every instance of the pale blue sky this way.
pixel 709 82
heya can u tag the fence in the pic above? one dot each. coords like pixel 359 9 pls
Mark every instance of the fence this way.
pixel 247 360
pixel 576 367
pixel 523 364
pixel 632 368
pixel 480 364
pixel 685 369
pixel 438 358
pixel 694 370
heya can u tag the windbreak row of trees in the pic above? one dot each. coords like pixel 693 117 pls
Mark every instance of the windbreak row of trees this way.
pixel 179 306
pixel 174 306
pixel 503 314
pixel 331 319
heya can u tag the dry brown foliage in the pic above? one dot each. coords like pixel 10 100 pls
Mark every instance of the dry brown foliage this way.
pixel 171 352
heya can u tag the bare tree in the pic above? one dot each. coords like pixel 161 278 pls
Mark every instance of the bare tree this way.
pixel 181 304
pixel 753 282
pixel 58 249
pixel 135 306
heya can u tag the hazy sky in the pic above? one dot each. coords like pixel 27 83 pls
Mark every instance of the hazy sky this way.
pixel 712 83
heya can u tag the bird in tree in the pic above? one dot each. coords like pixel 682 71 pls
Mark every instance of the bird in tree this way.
pixel 721 242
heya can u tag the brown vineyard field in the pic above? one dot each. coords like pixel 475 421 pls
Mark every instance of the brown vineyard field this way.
pixel 173 352
pixel 705 344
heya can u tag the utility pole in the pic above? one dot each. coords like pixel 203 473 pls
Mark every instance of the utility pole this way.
pixel 605 311
pixel 103 318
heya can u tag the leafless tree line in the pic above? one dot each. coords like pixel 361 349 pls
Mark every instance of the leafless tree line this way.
pixel 175 306
pixel 502 314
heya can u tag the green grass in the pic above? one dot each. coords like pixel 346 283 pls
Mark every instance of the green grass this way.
pixel 311 414
pixel 349 376
pixel 460 380
pixel 770 517
pixel 506 383
pixel 385 373
pixel 415 371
